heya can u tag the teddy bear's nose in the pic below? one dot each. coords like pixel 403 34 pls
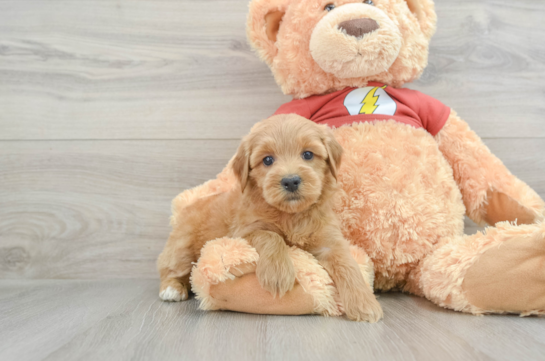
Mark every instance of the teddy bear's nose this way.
pixel 359 27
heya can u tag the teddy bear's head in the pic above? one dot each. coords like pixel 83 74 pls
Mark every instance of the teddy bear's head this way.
pixel 319 46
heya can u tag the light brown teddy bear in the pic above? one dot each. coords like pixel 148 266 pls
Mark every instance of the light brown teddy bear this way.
pixel 412 169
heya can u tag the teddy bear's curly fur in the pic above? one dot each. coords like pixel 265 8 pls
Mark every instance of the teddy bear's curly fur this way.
pixel 404 191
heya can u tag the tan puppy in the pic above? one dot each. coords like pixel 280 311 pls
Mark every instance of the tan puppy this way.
pixel 287 167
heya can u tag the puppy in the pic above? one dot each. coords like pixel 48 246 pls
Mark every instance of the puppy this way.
pixel 287 170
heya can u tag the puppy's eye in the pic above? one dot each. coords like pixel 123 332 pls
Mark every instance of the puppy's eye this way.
pixel 308 155
pixel 268 160
pixel 329 7
pixel 369 2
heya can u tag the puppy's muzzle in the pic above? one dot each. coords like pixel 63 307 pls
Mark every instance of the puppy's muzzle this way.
pixel 359 27
pixel 291 184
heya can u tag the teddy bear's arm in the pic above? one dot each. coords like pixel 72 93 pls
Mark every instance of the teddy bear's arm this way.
pixel 490 192
pixel 223 182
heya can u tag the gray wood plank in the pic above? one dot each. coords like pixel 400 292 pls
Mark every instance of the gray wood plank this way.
pixel 100 209
pixel 73 209
pixel 487 63
pixel 123 319
pixel 182 69
pixel 129 70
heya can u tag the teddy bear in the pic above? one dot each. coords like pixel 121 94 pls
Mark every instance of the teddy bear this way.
pixel 412 169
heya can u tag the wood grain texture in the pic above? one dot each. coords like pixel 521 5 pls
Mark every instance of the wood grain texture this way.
pixel 129 70
pixel 73 209
pixel 100 209
pixel 122 320
pixel 179 69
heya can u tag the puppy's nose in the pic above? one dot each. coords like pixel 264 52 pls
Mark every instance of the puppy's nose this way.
pixel 292 183
pixel 359 27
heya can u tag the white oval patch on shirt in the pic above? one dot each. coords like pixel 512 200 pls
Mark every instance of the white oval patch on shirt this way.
pixel 369 100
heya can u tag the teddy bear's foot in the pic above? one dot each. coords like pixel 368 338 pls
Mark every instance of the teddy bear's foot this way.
pixel 224 279
pixel 500 271
pixel 173 291
pixel 510 277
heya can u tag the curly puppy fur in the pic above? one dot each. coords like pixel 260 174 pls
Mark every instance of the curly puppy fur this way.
pixel 273 215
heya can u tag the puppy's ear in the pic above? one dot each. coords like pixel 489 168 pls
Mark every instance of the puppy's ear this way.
pixel 264 20
pixel 241 165
pixel 334 151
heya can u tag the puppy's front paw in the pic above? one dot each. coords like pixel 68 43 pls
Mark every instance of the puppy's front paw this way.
pixel 173 292
pixel 361 306
pixel 276 274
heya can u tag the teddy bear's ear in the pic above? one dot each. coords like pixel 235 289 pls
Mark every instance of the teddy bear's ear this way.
pixel 264 20
pixel 425 13
pixel 416 8
pixel 272 24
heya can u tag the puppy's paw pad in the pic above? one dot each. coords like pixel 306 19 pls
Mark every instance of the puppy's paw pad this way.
pixel 173 295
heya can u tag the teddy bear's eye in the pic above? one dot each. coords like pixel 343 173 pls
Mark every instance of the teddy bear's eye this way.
pixel 369 2
pixel 268 160
pixel 329 7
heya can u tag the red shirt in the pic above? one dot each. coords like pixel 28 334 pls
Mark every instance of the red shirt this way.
pixel 374 102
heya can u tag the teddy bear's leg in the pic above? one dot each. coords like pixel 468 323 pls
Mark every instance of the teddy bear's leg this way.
pixel 490 192
pixel 500 271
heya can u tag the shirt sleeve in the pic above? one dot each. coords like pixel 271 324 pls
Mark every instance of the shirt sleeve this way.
pixel 298 106
pixel 432 112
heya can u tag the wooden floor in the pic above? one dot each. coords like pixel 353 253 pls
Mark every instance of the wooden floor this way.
pixel 109 108
pixel 114 320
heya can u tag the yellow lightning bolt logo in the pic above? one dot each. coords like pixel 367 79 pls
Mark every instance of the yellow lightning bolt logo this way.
pixel 369 102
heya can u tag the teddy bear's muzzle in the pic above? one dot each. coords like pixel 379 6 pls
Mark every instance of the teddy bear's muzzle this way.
pixel 354 41
pixel 359 27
